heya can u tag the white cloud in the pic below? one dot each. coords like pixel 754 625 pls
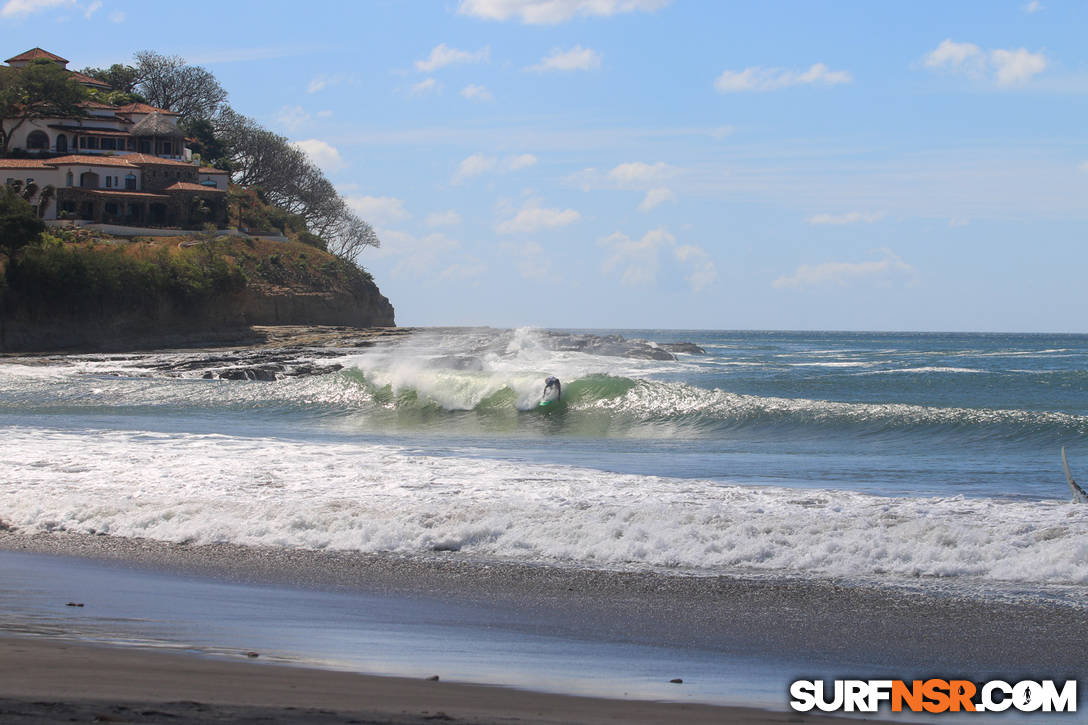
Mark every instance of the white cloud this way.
pixel 447 218
pixel 292 117
pixel 20 8
pixel 656 197
pixel 577 58
pixel 321 82
pixel 553 12
pixel 426 85
pixel 117 16
pixel 950 54
pixel 637 173
pixel 321 153
pixel 478 164
pixel 475 92
pixel 461 271
pixel 1033 7
pixel 442 55
pixel 638 262
pixel 703 270
pixel 92 9
pixel 843 273
pixel 522 161
pixel 958 221
pixel 1015 67
pixel 532 262
pixel 474 166
pixel 772 79
pixel 1008 67
pixel 531 218
pixel 416 255
pixel 378 209
pixel 852 217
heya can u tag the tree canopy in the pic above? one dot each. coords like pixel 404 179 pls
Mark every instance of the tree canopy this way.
pixel 39 90
pixel 169 82
pixel 19 225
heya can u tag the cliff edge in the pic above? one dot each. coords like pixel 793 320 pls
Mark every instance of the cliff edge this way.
pixel 90 291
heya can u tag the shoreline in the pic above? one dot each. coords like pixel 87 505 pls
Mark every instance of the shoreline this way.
pixel 56 681
pixel 914 631
pixel 242 338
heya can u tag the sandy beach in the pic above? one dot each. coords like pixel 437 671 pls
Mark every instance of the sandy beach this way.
pixel 53 678
pixel 50 681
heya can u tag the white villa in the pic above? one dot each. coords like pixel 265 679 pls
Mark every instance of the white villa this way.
pixel 117 164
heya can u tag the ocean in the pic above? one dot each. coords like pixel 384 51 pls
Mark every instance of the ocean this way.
pixel 926 461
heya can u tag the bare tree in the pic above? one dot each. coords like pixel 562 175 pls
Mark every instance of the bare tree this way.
pixel 169 82
pixel 350 236
pixel 288 179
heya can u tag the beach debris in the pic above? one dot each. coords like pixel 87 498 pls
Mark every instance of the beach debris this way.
pixel 432 678
pixel 676 681
pixel 253 654
pixel 74 604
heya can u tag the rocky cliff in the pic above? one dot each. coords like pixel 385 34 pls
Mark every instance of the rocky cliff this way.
pixel 111 294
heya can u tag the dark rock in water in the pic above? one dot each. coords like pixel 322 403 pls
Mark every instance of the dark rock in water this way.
pixel 303 371
pixel 676 681
pixel 432 678
pixel 74 604
pixel 252 655
pixel 265 374
pixel 689 348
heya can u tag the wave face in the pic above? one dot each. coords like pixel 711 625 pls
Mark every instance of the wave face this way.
pixel 896 456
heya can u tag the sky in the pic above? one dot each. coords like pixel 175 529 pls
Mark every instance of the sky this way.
pixel 666 164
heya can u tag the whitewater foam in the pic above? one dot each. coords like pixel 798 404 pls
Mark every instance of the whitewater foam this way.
pixel 363 497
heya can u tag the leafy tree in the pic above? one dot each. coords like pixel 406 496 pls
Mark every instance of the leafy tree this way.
pixel 39 90
pixel 212 150
pixel 19 225
pixel 169 82
pixel 123 78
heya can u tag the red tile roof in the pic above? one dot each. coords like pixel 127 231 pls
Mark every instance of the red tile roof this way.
pixel 117 192
pixel 88 81
pixel 144 108
pixel 96 104
pixel 34 54
pixel 212 170
pixel 89 160
pixel 189 186
pixel 24 164
pixel 149 159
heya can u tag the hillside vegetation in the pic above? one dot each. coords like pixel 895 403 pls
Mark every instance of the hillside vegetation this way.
pixel 83 289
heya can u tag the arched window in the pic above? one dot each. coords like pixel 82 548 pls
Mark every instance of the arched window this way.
pixel 70 178
pixel 88 180
pixel 37 140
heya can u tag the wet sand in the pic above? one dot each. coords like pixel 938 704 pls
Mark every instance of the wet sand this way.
pixel 914 632
pixel 48 681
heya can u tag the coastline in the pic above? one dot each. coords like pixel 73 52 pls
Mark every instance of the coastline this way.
pixel 56 681
pixel 822 627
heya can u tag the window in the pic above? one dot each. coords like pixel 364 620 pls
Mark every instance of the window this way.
pixel 130 182
pixel 83 142
pixel 117 182
pixel 69 178
pixel 109 181
pixel 108 144
pixel 37 140
pixel 92 142
pixel 166 148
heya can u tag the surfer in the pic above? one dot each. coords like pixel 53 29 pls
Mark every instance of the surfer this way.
pixel 1079 494
pixel 552 390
